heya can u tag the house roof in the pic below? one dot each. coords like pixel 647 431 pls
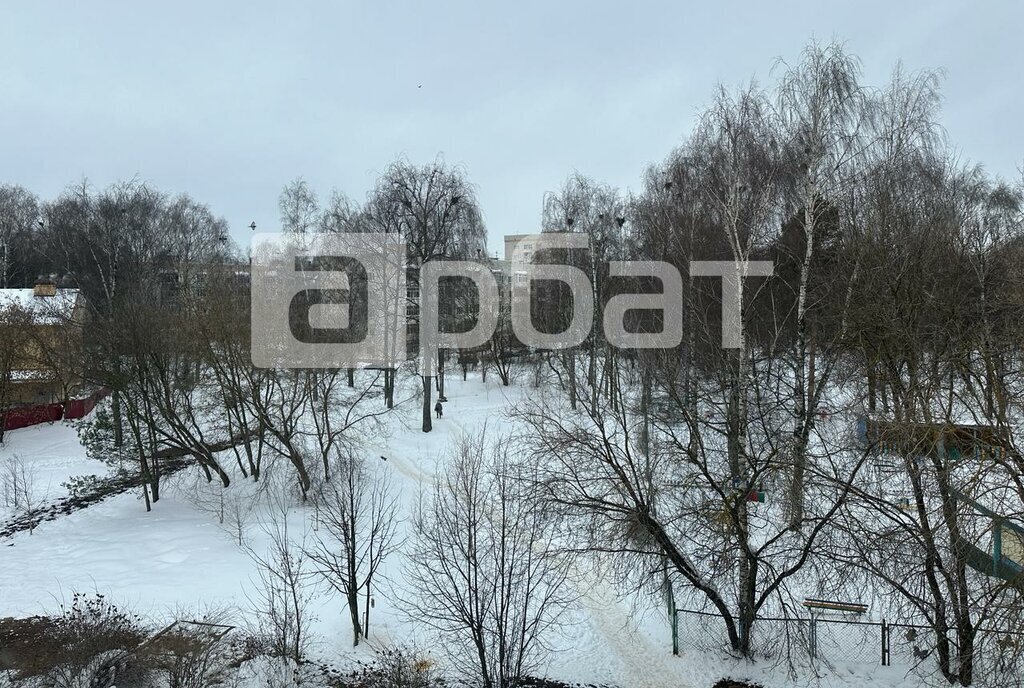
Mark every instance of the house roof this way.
pixel 33 376
pixel 44 309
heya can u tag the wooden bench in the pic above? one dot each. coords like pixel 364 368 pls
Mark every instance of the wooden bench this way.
pixel 835 606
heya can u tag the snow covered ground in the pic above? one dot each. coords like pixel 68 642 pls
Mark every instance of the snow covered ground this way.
pixel 178 557
pixel 51 454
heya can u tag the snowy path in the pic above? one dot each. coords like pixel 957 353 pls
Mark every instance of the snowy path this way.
pixel 606 649
pixel 630 656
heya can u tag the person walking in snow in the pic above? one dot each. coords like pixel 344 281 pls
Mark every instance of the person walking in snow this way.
pixel 438 409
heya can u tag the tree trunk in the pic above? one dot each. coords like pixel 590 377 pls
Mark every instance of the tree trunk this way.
pixel 427 406
pixel 389 388
pixel 366 610
pixel 115 411
pixel 645 411
pixel 353 608
pixel 872 389
pixel 440 375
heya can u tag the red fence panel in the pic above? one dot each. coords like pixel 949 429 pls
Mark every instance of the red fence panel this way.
pixel 79 408
pixel 24 416
pixel 76 408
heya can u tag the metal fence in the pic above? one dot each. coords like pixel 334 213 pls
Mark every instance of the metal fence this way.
pixel 816 643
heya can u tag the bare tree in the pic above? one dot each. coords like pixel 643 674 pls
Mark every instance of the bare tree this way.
pixel 15 337
pixel 484 568
pixel 356 517
pixel 19 213
pixel 282 587
pixel 941 489
pixel 836 134
pixel 434 208
pixel 503 346
pixel 232 506
pixel 299 208
pixel 597 211
pixel 224 337
pixel 672 508
pixel 19 488
pixel 110 244
pixel 339 414
pixel 825 119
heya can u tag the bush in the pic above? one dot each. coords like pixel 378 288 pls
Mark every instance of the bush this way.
pixel 79 486
pixel 85 646
pixel 190 654
pixel 399 667
pixel 732 683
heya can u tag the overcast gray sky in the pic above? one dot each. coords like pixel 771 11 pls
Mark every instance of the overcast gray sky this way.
pixel 229 100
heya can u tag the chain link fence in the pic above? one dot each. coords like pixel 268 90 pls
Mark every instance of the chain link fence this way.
pixel 998 657
pixel 813 643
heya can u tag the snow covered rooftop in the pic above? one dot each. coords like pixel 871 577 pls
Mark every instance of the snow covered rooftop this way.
pixel 44 309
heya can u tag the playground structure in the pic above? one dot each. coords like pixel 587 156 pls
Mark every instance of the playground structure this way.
pixel 1006 558
pixel 951 441
pixel 954 443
